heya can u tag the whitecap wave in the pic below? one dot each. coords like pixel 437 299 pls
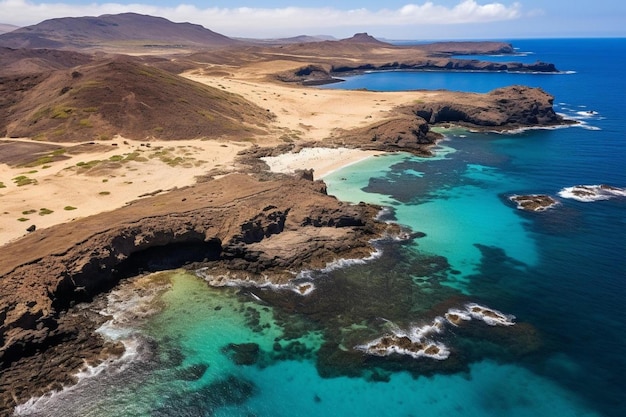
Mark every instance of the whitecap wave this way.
pixel 418 341
pixel 489 315
pixel 581 117
pixel 125 306
pixel 343 263
pixel 591 193
pixel 526 128
pixel 587 114
pixel 302 283
pixel 587 127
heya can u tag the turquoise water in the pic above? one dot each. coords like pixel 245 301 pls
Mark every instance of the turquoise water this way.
pixel 561 272
pixel 450 215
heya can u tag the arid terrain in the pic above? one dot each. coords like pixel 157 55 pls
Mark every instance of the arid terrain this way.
pixel 120 148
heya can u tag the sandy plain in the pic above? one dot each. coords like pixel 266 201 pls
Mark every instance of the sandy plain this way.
pixel 118 171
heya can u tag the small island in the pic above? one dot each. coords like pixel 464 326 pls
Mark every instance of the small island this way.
pixel 534 202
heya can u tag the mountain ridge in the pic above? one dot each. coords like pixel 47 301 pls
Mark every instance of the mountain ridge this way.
pixel 93 32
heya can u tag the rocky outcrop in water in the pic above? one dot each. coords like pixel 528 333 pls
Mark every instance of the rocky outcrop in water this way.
pixel 534 202
pixel 501 109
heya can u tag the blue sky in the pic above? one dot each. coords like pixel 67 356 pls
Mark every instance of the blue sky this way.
pixel 391 19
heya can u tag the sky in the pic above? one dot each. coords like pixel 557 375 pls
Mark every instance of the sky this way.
pixel 389 19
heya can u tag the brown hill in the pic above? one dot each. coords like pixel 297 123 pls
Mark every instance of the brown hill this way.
pixel 364 38
pixel 4 28
pixel 31 61
pixel 286 41
pixel 127 97
pixel 465 48
pixel 130 29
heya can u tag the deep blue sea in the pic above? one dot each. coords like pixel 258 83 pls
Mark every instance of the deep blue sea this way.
pixel 518 313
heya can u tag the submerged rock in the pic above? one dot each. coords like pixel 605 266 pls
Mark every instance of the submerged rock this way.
pixel 243 353
pixel 192 372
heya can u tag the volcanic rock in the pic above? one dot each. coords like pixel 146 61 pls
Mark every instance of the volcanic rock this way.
pixel 226 224
pixel 501 109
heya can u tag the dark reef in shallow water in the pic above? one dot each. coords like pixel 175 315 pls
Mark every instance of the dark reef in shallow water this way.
pixel 230 390
pixel 354 305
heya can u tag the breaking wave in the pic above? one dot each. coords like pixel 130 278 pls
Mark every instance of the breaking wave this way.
pixel 591 193
pixel 125 306
pixel 419 342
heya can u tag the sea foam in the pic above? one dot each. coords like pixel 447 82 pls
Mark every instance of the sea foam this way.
pixel 591 193
pixel 301 284
pixel 418 341
pixel 124 307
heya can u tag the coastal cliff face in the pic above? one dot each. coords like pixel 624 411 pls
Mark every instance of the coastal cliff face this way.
pixel 236 225
pixel 317 74
pixel 501 109
pixel 404 133
pixel 432 64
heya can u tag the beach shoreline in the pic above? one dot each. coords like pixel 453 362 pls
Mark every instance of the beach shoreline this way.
pixel 323 161
pixel 66 191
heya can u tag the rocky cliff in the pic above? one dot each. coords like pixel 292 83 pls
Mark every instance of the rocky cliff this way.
pixel 318 74
pixel 236 224
pixel 501 109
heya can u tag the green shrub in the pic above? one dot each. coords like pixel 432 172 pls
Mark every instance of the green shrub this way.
pixel 85 123
pixel 61 112
pixel 22 180
pixel 89 164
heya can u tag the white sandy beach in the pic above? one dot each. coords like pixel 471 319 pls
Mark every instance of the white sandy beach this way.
pixel 323 161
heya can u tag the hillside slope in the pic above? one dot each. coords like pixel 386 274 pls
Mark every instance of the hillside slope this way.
pixel 127 97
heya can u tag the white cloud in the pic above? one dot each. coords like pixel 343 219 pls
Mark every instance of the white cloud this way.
pixel 246 21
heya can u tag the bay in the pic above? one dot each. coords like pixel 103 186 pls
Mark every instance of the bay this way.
pixel 561 273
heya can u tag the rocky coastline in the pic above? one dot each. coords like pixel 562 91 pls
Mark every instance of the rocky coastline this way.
pixel 271 226
pixel 247 225
pixel 318 74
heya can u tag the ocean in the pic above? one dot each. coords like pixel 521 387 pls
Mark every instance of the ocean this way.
pixel 490 311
